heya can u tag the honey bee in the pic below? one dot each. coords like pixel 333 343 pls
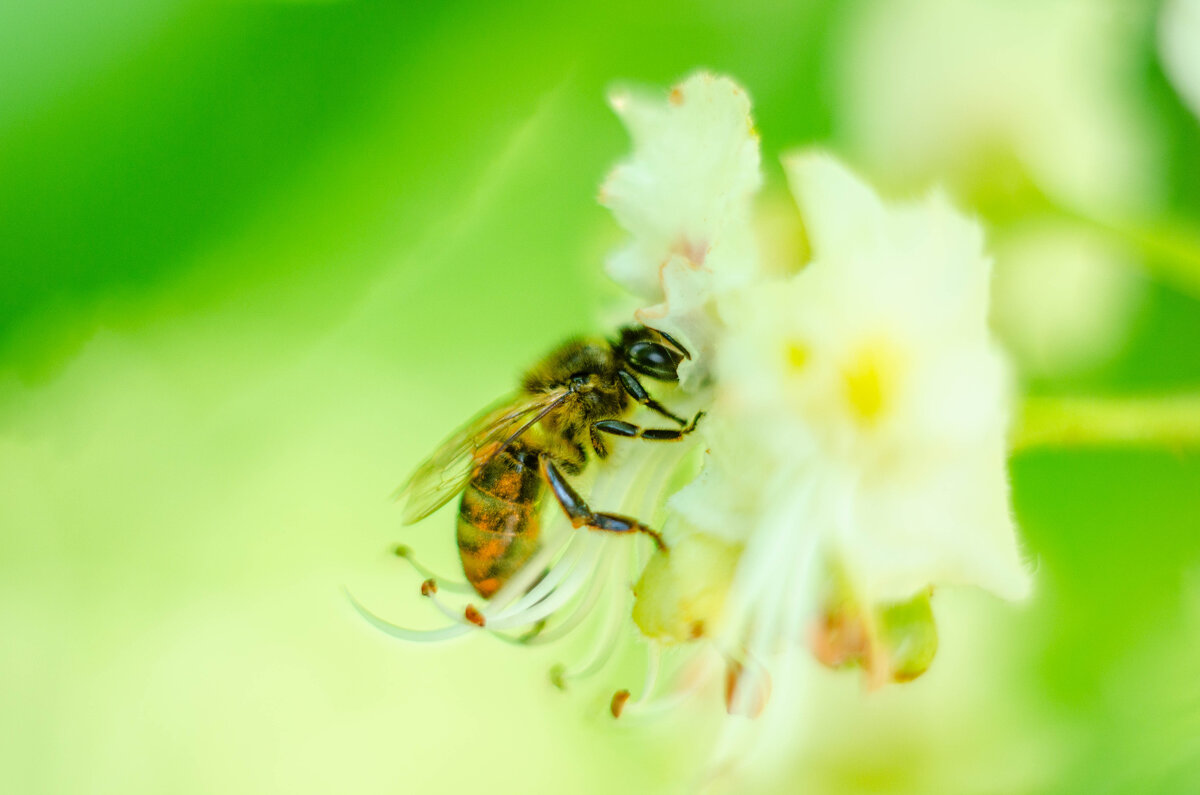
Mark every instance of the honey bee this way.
pixel 503 459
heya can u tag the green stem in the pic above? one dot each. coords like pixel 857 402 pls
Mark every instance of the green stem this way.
pixel 1169 250
pixel 1161 421
pixel 1171 253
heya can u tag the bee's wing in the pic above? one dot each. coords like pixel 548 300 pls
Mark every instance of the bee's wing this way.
pixel 447 471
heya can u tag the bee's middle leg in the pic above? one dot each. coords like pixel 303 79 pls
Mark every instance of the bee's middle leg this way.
pixel 577 510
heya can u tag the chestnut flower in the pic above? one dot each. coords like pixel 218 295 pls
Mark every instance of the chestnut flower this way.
pixel 871 374
pixel 856 447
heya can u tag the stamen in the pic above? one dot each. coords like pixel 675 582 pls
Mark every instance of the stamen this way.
pixel 530 610
pixel 606 645
pixel 584 608
pixel 653 653
pixel 773 623
pixel 549 582
pixel 747 688
pixel 525 577
pixel 413 635
pixel 405 553
pixel 455 615
pixel 530 635
pixel 688 684
pixel 657 707
pixel 556 599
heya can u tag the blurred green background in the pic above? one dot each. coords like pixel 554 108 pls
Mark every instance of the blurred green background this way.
pixel 257 258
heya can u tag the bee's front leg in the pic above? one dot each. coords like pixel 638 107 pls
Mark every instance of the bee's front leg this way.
pixel 577 510
pixel 631 431
pixel 635 390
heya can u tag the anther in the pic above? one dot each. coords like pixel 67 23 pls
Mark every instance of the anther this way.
pixel 747 689
pixel 618 702
pixel 474 616
pixel 429 587
pixel 406 554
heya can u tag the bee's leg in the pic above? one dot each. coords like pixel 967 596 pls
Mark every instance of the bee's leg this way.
pixel 635 390
pixel 569 454
pixel 581 515
pixel 598 443
pixel 628 429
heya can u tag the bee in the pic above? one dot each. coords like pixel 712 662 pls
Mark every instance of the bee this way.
pixel 504 459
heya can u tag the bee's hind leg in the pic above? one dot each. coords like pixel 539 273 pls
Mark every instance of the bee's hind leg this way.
pixel 581 515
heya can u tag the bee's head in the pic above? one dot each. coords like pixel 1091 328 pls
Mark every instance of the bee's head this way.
pixel 651 352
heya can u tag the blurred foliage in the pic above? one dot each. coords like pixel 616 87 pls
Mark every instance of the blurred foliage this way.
pixel 256 258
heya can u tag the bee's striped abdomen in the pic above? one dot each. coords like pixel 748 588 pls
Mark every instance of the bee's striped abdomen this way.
pixel 498 521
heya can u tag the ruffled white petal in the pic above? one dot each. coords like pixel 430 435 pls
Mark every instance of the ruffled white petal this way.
pixel 684 196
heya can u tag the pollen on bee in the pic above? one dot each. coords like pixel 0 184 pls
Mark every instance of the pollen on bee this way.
pixel 429 587
pixel 474 616
pixel 619 700
pixel 486 452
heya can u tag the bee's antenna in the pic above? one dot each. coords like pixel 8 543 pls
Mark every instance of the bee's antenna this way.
pixel 674 342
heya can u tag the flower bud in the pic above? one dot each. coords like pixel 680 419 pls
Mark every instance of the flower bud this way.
pixel 908 636
pixel 892 642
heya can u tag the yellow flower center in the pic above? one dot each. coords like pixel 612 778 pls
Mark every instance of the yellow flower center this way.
pixel 870 381
pixel 796 354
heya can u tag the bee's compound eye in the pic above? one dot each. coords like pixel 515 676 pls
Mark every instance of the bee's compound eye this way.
pixel 650 358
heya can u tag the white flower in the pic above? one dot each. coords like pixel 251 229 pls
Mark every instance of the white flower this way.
pixel 685 196
pixel 856 443
pixel 856 446
pixel 1179 43
pixel 856 454
pixel 867 392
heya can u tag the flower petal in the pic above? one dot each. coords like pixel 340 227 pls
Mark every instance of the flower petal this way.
pixel 684 196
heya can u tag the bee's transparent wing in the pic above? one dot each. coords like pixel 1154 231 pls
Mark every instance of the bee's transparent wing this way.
pixel 447 471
